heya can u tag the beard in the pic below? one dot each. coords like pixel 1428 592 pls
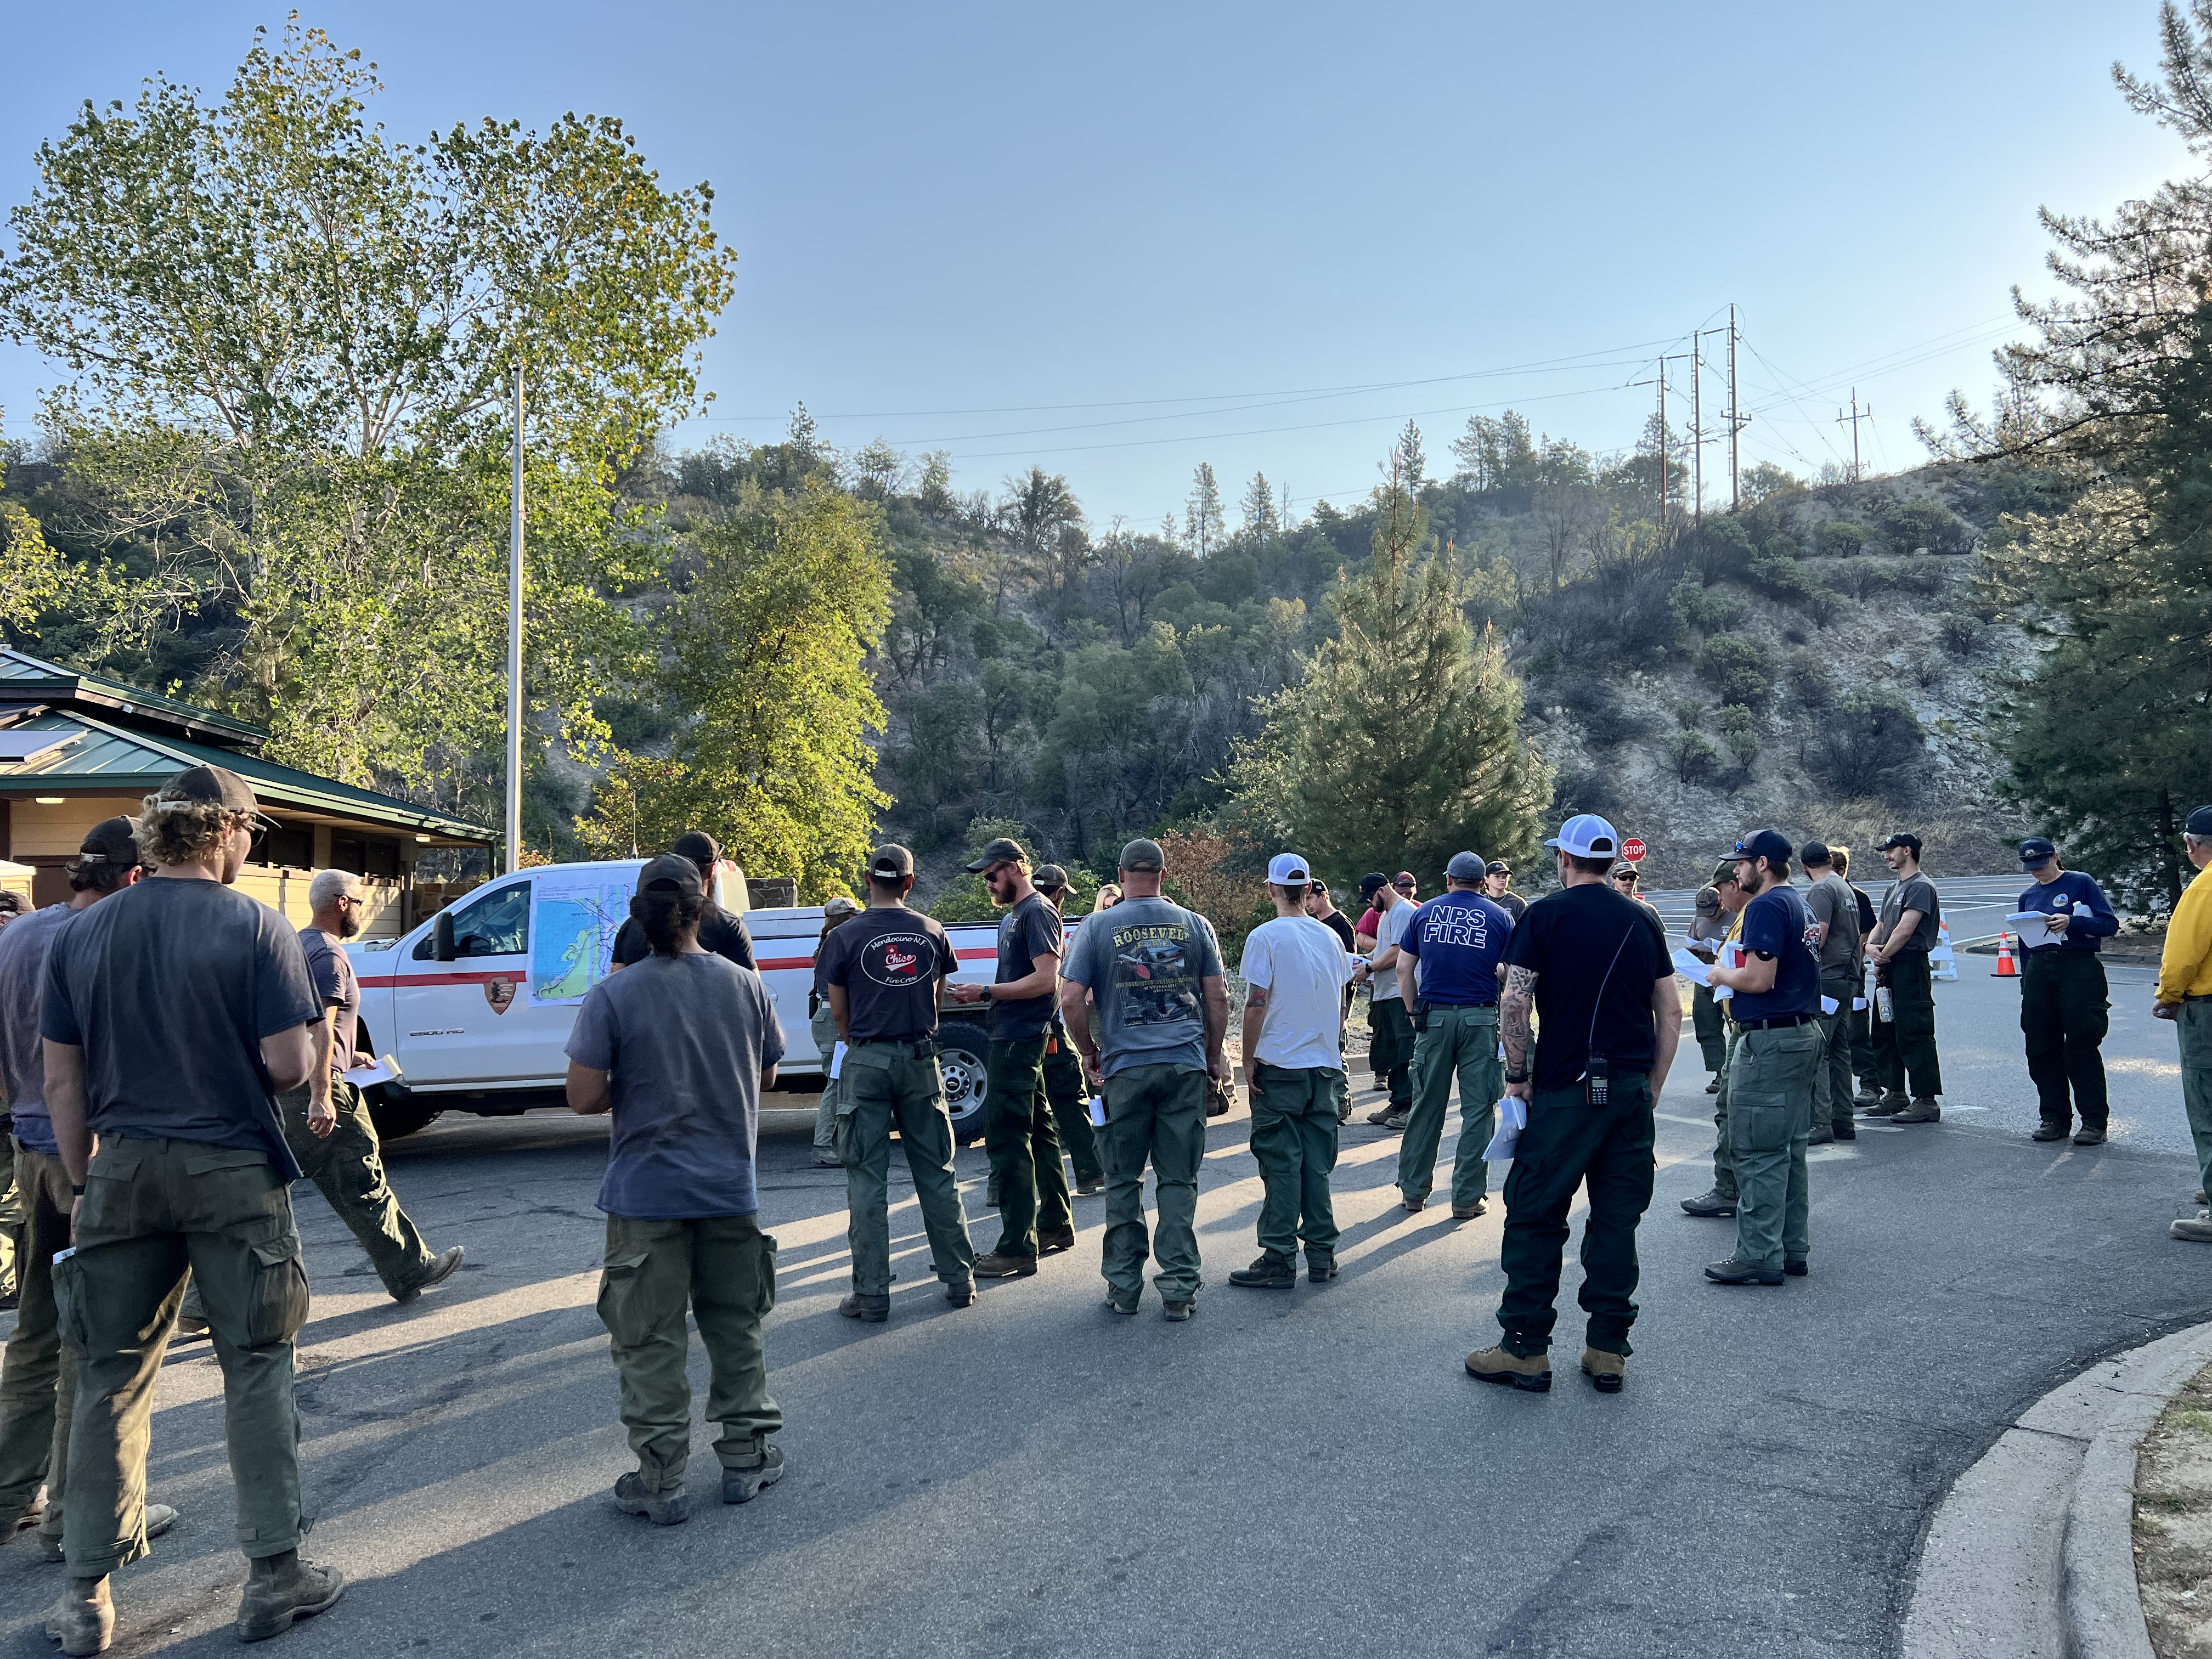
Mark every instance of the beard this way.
pixel 349 925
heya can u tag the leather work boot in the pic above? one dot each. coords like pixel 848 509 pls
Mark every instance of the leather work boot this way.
pixel 1530 1373
pixel 960 1296
pixel 1714 1086
pixel 1844 1129
pixel 1126 1309
pixel 995 1265
pixel 1179 1311
pixel 1713 1203
pixel 1268 1274
pixel 2047 1130
pixel 282 1587
pixel 443 1267
pixel 1797 1269
pixel 83 1621
pixel 1892 1102
pixel 1469 1212
pixel 1319 1269
pixel 874 1308
pixel 2197 1229
pixel 33 1512
pixel 1389 1118
pixel 1605 1371
pixel 743 1480
pixel 1923 1109
pixel 1092 1187
pixel 2089 1135
pixel 160 1517
pixel 1051 1240
pixel 665 1508
pixel 1819 1135
pixel 1736 1271
pixel 1412 1206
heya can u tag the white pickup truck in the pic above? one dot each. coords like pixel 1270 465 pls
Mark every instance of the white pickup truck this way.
pixel 475 1005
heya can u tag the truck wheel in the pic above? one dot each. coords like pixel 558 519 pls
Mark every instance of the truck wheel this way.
pixel 398 1114
pixel 961 1053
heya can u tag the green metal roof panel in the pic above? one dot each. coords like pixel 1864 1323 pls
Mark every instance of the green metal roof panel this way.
pixel 110 759
pixel 24 673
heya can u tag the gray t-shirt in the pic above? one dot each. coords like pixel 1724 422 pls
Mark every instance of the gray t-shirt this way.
pixel 332 971
pixel 1389 930
pixel 1031 929
pixel 1915 893
pixel 24 945
pixel 687 1039
pixel 1145 962
pixel 169 987
pixel 1832 902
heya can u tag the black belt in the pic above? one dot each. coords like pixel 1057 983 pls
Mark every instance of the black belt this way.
pixel 894 1043
pixel 1775 1022
pixel 1491 1004
pixel 2197 996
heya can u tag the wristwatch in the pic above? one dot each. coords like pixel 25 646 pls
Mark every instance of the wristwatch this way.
pixel 1523 1077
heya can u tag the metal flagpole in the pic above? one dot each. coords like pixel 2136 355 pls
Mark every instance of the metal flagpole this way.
pixel 514 649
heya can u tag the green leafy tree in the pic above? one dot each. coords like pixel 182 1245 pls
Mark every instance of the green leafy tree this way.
pixel 1402 745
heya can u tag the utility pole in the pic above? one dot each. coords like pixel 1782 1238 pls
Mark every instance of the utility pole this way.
pixel 1736 422
pixel 1852 420
pixel 1662 445
pixel 514 648
pixel 1697 429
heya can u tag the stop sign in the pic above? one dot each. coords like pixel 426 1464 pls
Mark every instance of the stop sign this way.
pixel 1634 849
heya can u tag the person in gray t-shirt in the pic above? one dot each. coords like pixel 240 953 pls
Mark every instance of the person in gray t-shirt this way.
pixel 1835 912
pixel 678 1049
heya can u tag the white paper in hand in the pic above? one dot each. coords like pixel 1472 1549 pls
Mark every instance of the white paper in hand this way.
pixel 1829 1004
pixel 1692 968
pixel 2033 927
pixel 1098 1112
pixel 836 1061
pixel 1512 1118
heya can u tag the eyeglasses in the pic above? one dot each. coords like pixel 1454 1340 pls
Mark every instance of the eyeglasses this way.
pixel 1404 886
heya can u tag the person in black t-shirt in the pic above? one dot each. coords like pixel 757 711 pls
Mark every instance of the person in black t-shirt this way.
pixel 1035 1217
pixel 721 933
pixel 1595 965
pixel 881 972
pixel 1322 908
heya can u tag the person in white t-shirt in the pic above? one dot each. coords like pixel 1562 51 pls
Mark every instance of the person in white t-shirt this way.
pixel 1294 969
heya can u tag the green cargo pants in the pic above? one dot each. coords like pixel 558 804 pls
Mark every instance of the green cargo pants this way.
pixel 1905 1046
pixel 1770 1081
pixel 348 1170
pixel 897 1085
pixel 1024 1148
pixel 1710 1025
pixel 2192 1025
pixel 1391 1051
pixel 1461 1041
pixel 1831 1092
pixel 1723 1150
pixel 723 1269
pixel 153 1208
pixel 1569 1144
pixel 1294 1125
pixel 12 1216
pixel 1071 1108
pixel 1156 1113
pixel 823 1027
pixel 2065 1010
pixel 38 1377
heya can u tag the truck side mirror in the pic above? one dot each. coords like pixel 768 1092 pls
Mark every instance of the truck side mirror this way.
pixel 441 937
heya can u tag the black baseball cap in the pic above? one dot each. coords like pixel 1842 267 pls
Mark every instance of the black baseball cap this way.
pixel 1768 844
pixel 212 785
pixel 1815 852
pixel 110 842
pixel 1142 854
pixel 1372 882
pixel 701 849
pixel 1498 868
pixel 1048 879
pixel 1910 841
pixel 2199 823
pixel 1000 849
pixel 671 873
pixel 891 862
pixel 2036 851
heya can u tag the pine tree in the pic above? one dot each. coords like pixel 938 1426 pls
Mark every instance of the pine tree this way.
pixel 1409 467
pixel 1261 518
pixel 1402 745
pixel 1204 526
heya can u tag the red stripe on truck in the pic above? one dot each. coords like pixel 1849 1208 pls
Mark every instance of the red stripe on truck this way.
pixel 764 965
pixel 377 981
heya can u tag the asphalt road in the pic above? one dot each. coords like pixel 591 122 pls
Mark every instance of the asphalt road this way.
pixel 1290 1472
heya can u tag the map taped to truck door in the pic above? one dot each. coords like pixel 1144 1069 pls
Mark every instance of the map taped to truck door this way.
pixel 572 925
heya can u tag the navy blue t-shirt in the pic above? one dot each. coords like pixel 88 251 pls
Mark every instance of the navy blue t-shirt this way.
pixel 2076 896
pixel 1457 939
pixel 1774 924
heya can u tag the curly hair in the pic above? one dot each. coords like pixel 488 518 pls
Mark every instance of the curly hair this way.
pixel 183 831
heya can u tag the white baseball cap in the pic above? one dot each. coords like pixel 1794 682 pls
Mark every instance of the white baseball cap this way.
pixel 1287 869
pixel 1586 835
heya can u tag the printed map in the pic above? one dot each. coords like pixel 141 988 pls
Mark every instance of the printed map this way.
pixel 572 934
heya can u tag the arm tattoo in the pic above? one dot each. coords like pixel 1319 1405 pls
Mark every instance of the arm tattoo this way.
pixel 1513 1018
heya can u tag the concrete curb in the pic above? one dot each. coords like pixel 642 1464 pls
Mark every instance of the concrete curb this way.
pixel 2032 1552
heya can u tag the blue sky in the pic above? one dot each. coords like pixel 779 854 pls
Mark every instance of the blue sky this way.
pixel 1121 241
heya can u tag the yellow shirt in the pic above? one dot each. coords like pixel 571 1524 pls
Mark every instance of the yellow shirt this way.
pixel 2185 969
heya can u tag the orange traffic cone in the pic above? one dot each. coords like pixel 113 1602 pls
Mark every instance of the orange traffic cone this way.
pixel 2006 968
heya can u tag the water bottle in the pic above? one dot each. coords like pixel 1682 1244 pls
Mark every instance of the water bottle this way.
pixel 1885 1005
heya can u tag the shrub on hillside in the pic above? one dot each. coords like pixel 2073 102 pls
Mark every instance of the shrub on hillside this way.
pixel 1704 610
pixel 1693 755
pixel 1960 632
pixel 1740 731
pixel 1740 668
pixel 1910 526
pixel 1597 711
pixel 1874 743
pixel 1842 539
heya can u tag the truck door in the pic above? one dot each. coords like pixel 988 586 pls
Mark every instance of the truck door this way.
pixel 451 1020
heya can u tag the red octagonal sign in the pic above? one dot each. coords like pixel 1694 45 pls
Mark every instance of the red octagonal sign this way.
pixel 1634 849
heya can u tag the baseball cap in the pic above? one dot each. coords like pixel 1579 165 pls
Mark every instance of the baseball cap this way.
pixel 2036 851
pixel 891 862
pixel 110 842
pixel 1464 867
pixel 1048 879
pixel 701 849
pixel 672 871
pixel 1372 882
pixel 1000 849
pixel 1709 901
pixel 1586 835
pixel 1768 844
pixel 1142 854
pixel 1498 868
pixel 1624 869
pixel 1911 841
pixel 841 906
pixel 212 785
pixel 1287 870
pixel 2199 823
pixel 1724 873
pixel 1404 879
pixel 1815 852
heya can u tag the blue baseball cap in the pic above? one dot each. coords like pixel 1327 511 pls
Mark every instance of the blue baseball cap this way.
pixel 1464 867
pixel 2036 851
pixel 1288 869
pixel 1768 844
pixel 1586 835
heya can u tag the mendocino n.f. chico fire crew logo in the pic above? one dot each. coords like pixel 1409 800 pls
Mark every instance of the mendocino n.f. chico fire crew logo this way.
pixel 897 960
